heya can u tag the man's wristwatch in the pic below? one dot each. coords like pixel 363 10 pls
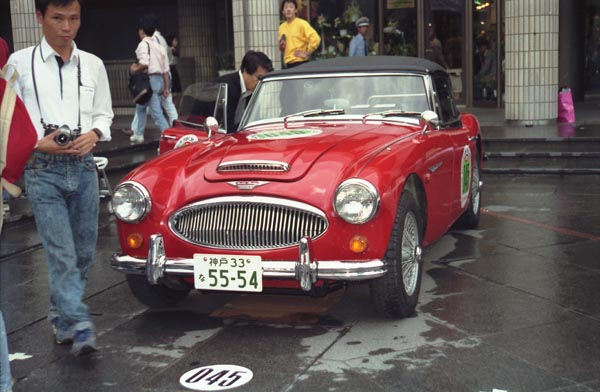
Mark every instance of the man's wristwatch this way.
pixel 97 132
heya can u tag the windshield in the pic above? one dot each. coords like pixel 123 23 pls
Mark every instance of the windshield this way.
pixel 201 100
pixel 338 96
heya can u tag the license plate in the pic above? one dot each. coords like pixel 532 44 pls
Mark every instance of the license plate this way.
pixel 227 272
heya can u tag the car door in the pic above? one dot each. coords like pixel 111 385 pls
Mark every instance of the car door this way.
pixel 199 102
pixel 463 146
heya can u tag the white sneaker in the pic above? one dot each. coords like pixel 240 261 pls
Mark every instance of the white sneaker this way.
pixel 136 139
pixel 6 209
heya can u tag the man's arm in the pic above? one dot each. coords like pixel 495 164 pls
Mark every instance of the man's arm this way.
pixel 314 40
pixel 282 39
pixel 166 81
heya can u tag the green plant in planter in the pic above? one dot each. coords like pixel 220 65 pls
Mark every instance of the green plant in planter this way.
pixel 351 13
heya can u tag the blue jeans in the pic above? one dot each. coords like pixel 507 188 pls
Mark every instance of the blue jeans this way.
pixel 157 83
pixel 5 377
pixel 63 194
pixel 167 104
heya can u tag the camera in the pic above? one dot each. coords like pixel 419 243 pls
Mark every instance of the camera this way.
pixel 65 134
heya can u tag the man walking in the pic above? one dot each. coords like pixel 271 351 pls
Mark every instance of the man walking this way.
pixel 166 102
pixel 67 95
pixel 297 39
pixel 153 60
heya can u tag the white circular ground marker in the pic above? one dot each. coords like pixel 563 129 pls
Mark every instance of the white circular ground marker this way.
pixel 216 377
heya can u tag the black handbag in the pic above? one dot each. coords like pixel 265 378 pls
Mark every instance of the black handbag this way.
pixel 139 85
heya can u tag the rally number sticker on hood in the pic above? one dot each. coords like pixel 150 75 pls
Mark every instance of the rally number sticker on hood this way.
pixel 465 176
pixel 284 134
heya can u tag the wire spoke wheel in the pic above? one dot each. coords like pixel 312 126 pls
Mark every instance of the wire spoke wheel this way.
pixel 396 293
pixel 411 254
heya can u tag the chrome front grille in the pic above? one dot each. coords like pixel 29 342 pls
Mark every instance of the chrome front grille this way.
pixel 247 223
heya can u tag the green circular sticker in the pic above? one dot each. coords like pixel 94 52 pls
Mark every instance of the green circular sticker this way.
pixel 465 176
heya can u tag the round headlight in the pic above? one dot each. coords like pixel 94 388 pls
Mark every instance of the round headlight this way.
pixel 131 202
pixel 356 201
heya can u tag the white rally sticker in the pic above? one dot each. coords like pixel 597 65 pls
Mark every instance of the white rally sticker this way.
pixel 284 134
pixel 465 176
pixel 216 377
pixel 186 140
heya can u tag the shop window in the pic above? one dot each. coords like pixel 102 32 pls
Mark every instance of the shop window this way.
pixel 400 28
pixel 334 20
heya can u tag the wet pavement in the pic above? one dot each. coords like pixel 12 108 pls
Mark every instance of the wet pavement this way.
pixel 513 306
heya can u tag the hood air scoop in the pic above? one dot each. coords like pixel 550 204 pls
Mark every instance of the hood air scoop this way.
pixel 253 166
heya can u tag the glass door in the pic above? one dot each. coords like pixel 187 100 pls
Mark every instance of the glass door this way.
pixel 487 65
pixel 445 31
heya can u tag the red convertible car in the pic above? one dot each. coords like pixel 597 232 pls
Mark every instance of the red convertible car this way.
pixel 340 171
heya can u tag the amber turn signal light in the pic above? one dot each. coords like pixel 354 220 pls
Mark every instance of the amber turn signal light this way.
pixel 358 244
pixel 135 240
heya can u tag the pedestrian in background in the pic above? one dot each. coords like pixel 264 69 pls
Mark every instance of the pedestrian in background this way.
pixel 173 56
pixel 67 95
pixel 241 85
pixel 151 58
pixel 484 83
pixel 166 103
pixel 359 45
pixel 297 39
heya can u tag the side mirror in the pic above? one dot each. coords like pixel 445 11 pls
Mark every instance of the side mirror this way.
pixel 429 118
pixel 211 125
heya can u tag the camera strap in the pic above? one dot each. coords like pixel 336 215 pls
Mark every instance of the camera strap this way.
pixel 37 98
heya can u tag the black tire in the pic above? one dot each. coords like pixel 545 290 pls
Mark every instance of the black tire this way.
pixel 395 294
pixel 154 296
pixel 470 218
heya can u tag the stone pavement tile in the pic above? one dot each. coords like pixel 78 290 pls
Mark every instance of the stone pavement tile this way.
pixel 583 254
pixel 474 366
pixel 567 349
pixel 480 309
pixel 553 279
pixel 344 379
pixel 521 230
pixel 250 345
pixel 510 267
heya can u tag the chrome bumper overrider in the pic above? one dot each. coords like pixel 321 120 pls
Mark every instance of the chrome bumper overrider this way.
pixel 305 270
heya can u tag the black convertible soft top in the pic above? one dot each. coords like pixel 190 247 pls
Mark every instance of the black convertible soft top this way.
pixel 361 64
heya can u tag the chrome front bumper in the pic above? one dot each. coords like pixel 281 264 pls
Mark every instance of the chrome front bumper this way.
pixel 305 270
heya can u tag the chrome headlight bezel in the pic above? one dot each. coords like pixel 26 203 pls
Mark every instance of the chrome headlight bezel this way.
pixel 356 193
pixel 131 202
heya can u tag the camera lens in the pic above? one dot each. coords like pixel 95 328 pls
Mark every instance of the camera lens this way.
pixel 63 138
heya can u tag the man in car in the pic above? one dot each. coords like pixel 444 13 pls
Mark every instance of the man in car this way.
pixel 241 85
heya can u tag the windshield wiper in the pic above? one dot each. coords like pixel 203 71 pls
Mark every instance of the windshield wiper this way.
pixel 314 113
pixel 389 113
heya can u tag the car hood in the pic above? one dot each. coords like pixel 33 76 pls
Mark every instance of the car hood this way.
pixel 287 154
